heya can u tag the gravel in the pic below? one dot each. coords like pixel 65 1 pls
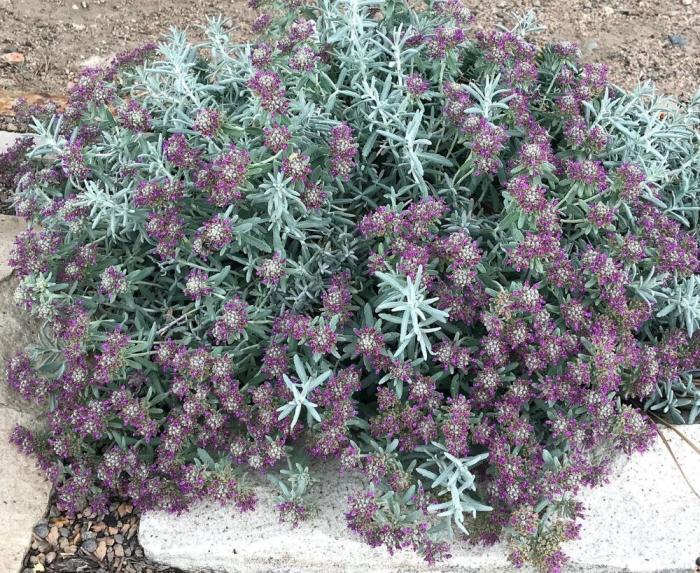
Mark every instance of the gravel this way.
pixel 90 543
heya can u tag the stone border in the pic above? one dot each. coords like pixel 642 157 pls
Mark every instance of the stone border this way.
pixel 644 519
pixel 24 492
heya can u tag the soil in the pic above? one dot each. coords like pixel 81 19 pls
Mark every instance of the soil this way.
pixel 44 42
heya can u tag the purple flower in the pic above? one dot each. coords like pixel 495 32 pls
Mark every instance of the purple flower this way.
pixel 178 152
pixel 134 117
pixel 261 23
pixel 207 122
pixel 275 362
pixel 531 198
pixel 630 179
pixel 303 59
pixel 313 196
pixel 160 193
pixel 369 342
pixel 167 227
pixel 323 340
pixel 232 321
pixel 277 137
pixel 587 172
pixel 343 151
pixel 416 85
pixel 261 55
pixel 222 178
pixel 73 161
pixel 301 31
pixel 215 235
pixel 443 40
pixel 267 85
pixel 296 166
pixel 113 282
pixel 272 270
pixel 454 9
pixel 600 215
pixel 22 378
pixel 111 359
pixel 196 285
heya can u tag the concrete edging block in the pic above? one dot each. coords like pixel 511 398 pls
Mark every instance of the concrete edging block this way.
pixel 644 519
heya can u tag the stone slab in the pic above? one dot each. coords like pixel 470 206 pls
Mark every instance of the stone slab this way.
pixel 24 492
pixel 9 226
pixel 7 138
pixel 645 519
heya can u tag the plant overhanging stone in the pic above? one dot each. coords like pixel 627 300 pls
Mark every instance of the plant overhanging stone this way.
pixel 644 520
pixel 460 265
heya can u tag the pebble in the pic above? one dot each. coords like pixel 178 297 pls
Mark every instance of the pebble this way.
pixel 687 2
pixel 677 40
pixel 41 530
pixel 12 58
pixel 89 542
pixel 52 537
pixel 101 550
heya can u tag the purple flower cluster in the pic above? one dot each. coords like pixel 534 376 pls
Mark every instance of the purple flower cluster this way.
pixel 178 151
pixel 267 85
pixel 113 282
pixel 277 137
pixel 222 178
pixel 134 116
pixel 232 321
pixel 416 85
pixel 343 151
pixel 196 285
pixel 207 122
pixel 213 236
pixel 33 251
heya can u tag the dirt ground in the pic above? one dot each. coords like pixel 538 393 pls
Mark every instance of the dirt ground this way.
pixel 44 42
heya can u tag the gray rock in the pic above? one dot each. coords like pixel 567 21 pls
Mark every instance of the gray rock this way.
pixel 89 545
pixel 41 530
pixel 677 40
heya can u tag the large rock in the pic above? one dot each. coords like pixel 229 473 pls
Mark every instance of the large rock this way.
pixel 9 226
pixel 24 492
pixel 645 519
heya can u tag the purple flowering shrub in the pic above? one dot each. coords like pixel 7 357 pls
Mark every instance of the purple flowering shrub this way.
pixel 453 262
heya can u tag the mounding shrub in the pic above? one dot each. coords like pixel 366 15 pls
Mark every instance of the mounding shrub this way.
pixel 458 263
